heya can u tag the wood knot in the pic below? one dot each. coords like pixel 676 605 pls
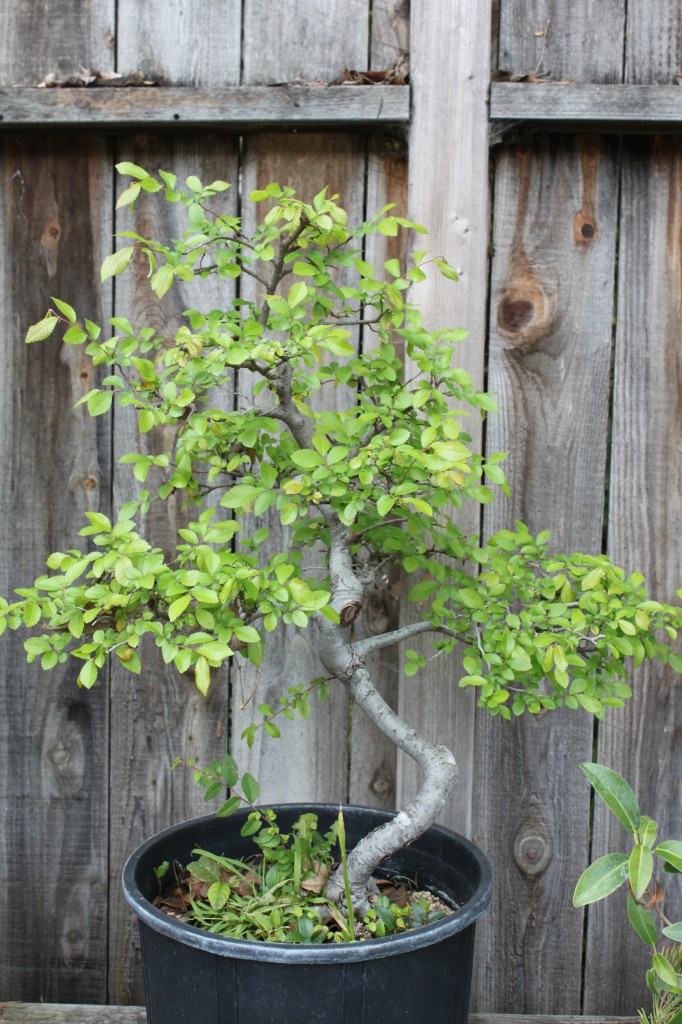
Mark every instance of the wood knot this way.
pixel 350 612
pixel 585 229
pixel 532 849
pixel 524 310
pixel 381 784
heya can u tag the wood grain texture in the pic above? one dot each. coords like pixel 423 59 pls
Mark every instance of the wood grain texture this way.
pixel 57 1013
pixel 563 41
pixel 242 108
pixel 309 761
pixel 310 41
pixel 644 740
pixel 373 773
pixel 54 464
pixel 181 43
pixel 160 715
pixel 446 193
pixel 373 766
pixel 551 297
pixel 37 39
pixel 653 52
pixel 631 107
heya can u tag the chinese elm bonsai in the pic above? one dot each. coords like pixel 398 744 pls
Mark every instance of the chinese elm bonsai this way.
pixel 375 485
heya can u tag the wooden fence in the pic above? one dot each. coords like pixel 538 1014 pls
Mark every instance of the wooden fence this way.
pixel 569 244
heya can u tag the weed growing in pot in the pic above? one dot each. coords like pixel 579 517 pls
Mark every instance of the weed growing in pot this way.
pixel 374 486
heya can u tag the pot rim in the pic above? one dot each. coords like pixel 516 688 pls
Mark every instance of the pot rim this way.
pixel 280 952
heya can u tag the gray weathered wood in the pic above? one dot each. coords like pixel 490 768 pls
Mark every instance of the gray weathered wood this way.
pixel 237 109
pixel 61 1013
pixel 161 715
pixel 654 43
pixel 642 741
pixel 303 41
pixel 639 108
pixel 448 163
pixel 373 767
pixel 38 39
pixel 551 310
pixel 581 41
pixel 314 752
pixel 183 44
pixel 316 761
pixel 54 464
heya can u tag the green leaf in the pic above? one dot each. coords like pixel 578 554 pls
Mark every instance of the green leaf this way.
pixel 133 170
pixel 99 402
pixel 671 852
pixel 601 879
pixel 640 869
pixel 247 634
pixel 446 269
pixel 177 607
pixel 63 307
pixel 642 921
pixel 75 336
pixel 297 294
pixel 250 787
pixel 616 794
pixel 218 894
pixel 202 675
pixel 129 195
pixel 306 458
pixel 42 330
pixel 674 931
pixel 385 504
pixel 664 969
pixel 116 263
pixel 162 280
pixel 87 675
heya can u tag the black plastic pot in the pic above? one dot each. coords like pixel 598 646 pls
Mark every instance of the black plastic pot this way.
pixel 194 977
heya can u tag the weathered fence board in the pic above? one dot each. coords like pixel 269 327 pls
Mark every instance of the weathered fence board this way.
pixel 562 41
pixel 621 107
pixel 54 780
pixel 446 195
pixel 551 303
pixel 644 521
pixel 242 108
pixel 26 1013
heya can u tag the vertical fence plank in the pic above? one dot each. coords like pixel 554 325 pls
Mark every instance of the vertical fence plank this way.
pixel 53 467
pixel 183 44
pixel 314 752
pixel 645 495
pixel 448 162
pixel 373 768
pixel 551 309
pixel 308 45
pixel 160 716
pixel 645 526
pixel 562 41
pixel 306 41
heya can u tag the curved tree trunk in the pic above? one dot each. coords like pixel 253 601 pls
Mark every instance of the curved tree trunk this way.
pixel 345 661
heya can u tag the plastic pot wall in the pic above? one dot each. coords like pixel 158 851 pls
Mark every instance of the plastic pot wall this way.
pixel 193 977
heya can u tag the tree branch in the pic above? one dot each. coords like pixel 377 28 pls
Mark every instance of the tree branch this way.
pixel 362 648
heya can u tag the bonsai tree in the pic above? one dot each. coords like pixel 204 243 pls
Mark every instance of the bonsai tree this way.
pixel 374 485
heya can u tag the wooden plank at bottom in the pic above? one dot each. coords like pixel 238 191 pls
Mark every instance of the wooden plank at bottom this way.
pixel 55 1013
